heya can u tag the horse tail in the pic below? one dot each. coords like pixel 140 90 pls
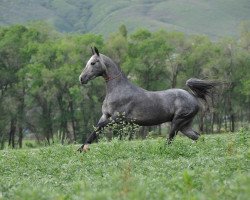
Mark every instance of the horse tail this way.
pixel 201 88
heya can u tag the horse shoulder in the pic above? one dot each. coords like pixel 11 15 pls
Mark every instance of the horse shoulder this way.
pixel 122 101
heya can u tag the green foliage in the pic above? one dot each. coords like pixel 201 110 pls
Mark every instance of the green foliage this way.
pixel 121 129
pixel 215 167
pixel 147 57
pixel 117 45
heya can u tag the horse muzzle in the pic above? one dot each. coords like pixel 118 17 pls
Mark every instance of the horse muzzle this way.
pixel 84 79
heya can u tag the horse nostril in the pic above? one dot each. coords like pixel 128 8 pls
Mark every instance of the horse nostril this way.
pixel 83 80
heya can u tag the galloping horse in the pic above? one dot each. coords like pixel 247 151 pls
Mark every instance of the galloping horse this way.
pixel 145 108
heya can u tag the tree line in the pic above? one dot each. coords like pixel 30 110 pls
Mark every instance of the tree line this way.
pixel 40 92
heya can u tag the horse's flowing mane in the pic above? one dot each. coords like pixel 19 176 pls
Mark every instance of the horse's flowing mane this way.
pixel 111 64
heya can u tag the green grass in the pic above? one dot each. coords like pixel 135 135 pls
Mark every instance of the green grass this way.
pixel 216 167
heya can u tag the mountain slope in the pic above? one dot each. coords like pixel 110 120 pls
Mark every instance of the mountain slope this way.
pixel 211 17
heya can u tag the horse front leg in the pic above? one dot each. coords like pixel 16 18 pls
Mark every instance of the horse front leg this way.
pixel 103 121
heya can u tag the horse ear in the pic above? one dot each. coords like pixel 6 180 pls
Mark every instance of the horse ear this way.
pixel 92 50
pixel 96 51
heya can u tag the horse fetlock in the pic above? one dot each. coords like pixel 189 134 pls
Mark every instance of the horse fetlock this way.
pixel 84 148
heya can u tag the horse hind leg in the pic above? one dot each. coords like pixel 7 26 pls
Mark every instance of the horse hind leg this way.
pixel 176 125
pixel 189 132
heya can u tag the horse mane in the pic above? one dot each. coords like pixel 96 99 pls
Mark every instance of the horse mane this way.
pixel 110 63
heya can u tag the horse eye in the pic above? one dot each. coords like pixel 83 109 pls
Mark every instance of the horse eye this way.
pixel 92 63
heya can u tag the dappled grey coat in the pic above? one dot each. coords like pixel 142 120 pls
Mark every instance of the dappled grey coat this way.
pixel 144 107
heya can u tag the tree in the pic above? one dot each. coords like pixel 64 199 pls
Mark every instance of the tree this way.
pixel 14 56
pixel 117 46
pixel 146 59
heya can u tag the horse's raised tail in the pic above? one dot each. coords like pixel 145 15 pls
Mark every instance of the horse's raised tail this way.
pixel 201 88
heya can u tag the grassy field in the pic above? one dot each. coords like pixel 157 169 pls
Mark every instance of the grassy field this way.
pixel 216 167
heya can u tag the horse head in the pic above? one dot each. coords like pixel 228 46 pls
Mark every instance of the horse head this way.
pixel 94 67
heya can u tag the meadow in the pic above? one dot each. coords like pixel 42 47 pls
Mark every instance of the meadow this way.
pixel 215 167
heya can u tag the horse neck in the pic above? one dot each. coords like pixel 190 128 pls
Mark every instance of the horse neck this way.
pixel 114 76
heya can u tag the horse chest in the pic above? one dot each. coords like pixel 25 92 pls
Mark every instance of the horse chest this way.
pixel 114 105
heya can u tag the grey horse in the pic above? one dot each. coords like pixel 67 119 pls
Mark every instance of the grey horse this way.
pixel 145 108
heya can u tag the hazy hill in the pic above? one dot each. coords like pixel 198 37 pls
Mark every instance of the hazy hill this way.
pixel 212 17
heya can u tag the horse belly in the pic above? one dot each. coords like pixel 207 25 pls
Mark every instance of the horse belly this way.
pixel 151 115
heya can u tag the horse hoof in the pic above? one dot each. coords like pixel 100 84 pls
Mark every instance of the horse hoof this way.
pixel 80 150
pixel 85 148
pixel 169 142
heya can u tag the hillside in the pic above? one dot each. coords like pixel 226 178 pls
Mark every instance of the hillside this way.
pixel 216 167
pixel 214 17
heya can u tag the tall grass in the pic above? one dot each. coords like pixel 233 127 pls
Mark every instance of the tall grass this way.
pixel 215 167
